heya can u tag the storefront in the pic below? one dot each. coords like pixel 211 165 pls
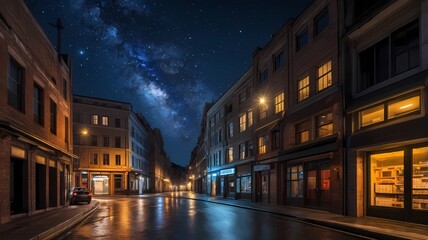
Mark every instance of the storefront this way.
pixel 262 176
pixel 398 180
pixel 100 184
pixel 228 181
pixel 243 182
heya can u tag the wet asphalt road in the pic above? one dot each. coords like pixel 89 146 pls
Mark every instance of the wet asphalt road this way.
pixel 165 217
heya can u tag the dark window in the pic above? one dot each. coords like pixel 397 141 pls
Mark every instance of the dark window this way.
pixel 275 140
pixel 94 159
pixel 118 160
pixel 94 141
pixel 402 53
pixel 321 21
pixel 65 89
pixel 405 48
pixel 117 142
pixel 38 105
pixel 15 85
pixel 279 60
pixel 302 39
pixel 106 141
pixel 117 122
pixel 363 6
pixel 53 117
pixel 229 108
pixel 106 159
pixel 264 75
pixel 117 181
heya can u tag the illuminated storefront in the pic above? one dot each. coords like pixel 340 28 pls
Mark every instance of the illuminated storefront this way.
pixel 100 184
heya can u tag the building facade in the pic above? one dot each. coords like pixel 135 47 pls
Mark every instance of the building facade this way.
pixel 35 117
pixel 111 142
pixel 385 61
pixel 160 164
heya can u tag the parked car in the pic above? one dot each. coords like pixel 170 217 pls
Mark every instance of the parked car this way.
pixel 80 194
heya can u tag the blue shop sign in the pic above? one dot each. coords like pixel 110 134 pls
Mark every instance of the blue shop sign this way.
pixel 227 171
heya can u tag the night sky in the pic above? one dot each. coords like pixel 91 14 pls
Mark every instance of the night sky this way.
pixel 165 57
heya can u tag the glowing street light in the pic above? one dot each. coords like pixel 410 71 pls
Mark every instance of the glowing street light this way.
pixel 262 100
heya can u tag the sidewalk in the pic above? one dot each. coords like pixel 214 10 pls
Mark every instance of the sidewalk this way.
pixel 47 224
pixel 372 227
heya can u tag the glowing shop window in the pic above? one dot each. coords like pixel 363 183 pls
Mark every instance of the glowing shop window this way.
pixel 387 179
pixel 403 107
pixel 420 179
pixel 372 115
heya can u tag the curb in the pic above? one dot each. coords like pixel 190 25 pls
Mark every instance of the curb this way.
pixel 67 225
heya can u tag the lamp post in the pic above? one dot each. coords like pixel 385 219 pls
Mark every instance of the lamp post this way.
pixel 83 132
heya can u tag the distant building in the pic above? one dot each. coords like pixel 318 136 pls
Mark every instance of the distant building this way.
pixel 179 177
pixel 160 164
pixel 112 143
pixel 35 117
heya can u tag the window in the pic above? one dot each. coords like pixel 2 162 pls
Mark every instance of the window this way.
pixel 264 75
pixel 231 129
pixel 321 21
pixel 243 151
pixel 263 110
pixel 246 184
pixel 419 182
pixel 94 141
pixel 302 132
pixel 219 136
pixel 391 109
pixel 324 76
pixel 229 109
pixel 262 144
pixel 94 159
pixel 117 181
pixel 250 117
pixel 106 159
pixel 279 103
pixel 220 161
pixel 302 39
pixel 64 89
pixel 38 105
pixel 117 142
pixel 387 177
pixel 117 122
pixel 53 117
pixel 15 85
pixel 295 181
pixel 279 60
pixel 229 155
pixel 242 122
pixel 243 96
pixel 325 124
pixel 106 141
pixel 118 162
pixel 391 56
pixel 275 140
pixel 94 119
pixel 104 121
pixel 303 90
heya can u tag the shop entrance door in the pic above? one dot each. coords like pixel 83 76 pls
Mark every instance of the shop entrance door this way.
pixel 318 184
pixel 265 187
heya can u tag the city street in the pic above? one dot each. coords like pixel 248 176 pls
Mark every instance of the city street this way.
pixel 168 216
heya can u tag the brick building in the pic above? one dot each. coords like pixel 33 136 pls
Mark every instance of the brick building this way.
pixel 35 117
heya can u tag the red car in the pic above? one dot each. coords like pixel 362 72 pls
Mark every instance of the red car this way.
pixel 80 194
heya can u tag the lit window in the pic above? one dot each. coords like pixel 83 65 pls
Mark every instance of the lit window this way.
pixel 94 119
pixel 295 181
pixel 372 115
pixel 387 179
pixel 324 76
pixel 403 107
pixel 302 132
pixel 325 124
pixel 279 103
pixel 230 155
pixel 303 91
pixel 105 121
pixel 262 144
pixel 419 183
pixel 243 122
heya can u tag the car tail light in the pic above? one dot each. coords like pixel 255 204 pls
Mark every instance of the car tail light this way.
pixel 74 193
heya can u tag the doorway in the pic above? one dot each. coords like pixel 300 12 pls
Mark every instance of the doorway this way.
pixel 318 179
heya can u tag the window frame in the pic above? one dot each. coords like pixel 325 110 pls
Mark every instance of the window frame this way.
pixel 318 18
pixel 16 98
pixel 324 77
pixel 279 102
pixel 303 91
pixel 302 39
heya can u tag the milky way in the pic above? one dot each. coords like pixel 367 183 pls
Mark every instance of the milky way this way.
pixel 167 58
